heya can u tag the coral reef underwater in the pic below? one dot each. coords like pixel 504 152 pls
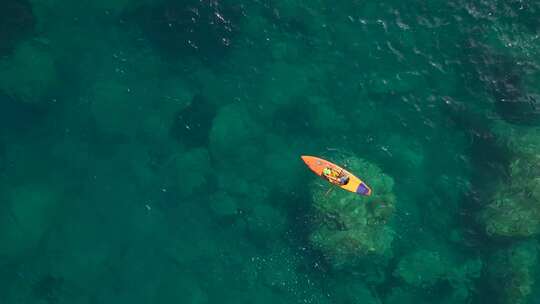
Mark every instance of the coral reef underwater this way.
pixel 150 151
pixel 349 229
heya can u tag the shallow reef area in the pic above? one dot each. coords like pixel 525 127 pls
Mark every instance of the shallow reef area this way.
pixel 150 151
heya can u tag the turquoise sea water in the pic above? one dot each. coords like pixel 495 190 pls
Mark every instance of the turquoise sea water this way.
pixel 150 151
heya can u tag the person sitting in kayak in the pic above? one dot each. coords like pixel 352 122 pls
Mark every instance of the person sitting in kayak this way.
pixel 334 178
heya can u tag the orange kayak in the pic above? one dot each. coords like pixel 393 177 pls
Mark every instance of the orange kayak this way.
pixel 336 175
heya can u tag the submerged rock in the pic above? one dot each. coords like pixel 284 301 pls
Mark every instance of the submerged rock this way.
pixel 29 74
pixel 112 108
pixel 422 268
pixel 223 205
pixel 201 28
pixel 400 295
pixel 189 171
pixel 352 291
pixel 192 124
pixel 16 22
pixel 235 133
pixel 425 268
pixel 512 272
pixel 265 222
pixel 348 228
pixel 26 219
pixel 514 210
pixel 507 64
pixel 515 92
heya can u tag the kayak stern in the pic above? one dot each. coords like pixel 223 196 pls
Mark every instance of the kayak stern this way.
pixel 363 189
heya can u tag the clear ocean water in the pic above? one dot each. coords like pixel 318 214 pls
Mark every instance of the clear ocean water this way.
pixel 150 151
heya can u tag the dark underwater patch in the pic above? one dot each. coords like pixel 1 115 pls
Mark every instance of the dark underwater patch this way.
pixel 16 22
pixel 17 117
pixel 291 25
pixel 503 78
pixel 204 29
pixel 512 101
pixel 487 169
pixel 48 289
pixel 292 118
pixel 192 125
